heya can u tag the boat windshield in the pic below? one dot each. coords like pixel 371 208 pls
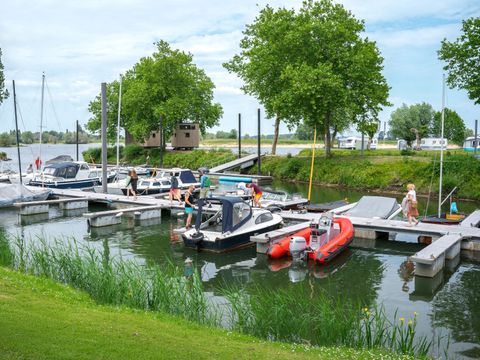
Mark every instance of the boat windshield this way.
pixel 49 171
pixel 241 210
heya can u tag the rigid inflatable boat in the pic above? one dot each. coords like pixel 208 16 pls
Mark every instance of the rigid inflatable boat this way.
pixel 320 242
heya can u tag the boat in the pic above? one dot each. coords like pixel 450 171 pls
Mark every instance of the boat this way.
pixel 59 159
pixel 320 242
pixel 230 227
pixel 67 175
pixel 327 206
pixel 374 207
pixel 12 193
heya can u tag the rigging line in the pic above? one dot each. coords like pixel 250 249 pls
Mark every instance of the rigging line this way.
pixel 53 106
pixel 21 118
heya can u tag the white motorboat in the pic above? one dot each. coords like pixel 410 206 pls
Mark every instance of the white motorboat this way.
pixel 230 227
pixel 67 175
pixel 12 193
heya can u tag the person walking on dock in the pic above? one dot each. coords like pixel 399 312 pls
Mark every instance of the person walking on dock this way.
pixel 204 184
pixel 189 200
pixel 132 182
pixel 174 189
pixel 412 205
pixel 257 194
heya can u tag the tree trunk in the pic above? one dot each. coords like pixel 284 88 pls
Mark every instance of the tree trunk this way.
pixel 275 135
pixel 328 152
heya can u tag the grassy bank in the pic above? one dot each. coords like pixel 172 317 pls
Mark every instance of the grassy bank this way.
pixel 287 315
pixel 42 319
pixel 382 172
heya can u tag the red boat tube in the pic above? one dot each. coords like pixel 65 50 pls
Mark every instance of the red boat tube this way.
pixel 323 254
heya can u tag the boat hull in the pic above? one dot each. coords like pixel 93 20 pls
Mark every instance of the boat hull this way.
pixel 443 219
pixel 76 184
pixel 226 244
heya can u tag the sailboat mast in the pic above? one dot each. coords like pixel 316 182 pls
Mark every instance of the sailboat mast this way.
pixel 441 150
pixel 41 115
pixel 16 128
pixel 118 121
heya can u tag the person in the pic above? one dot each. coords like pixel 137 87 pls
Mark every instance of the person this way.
pixel 38 163
pixel 204 184
pixel 257 193
pixel 174 190
pixel 189 200
pixel 30 169
pixel 412 205
pixel 453 207
pixel 242 188
pixel 132 181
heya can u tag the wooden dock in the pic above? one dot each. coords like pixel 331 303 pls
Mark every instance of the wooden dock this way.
pixel 243 162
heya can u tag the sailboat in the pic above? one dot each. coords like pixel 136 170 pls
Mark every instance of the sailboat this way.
pixel 443 218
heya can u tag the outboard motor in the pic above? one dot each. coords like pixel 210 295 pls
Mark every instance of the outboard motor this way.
pixel 197 238
pixel 297 247
pixel 321 231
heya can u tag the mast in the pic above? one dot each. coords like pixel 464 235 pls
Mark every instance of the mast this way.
pixel 41 115
pixel 118 121
pixel 441 150
pixel 16 128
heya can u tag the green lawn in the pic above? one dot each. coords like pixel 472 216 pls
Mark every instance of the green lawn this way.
pixel 40 319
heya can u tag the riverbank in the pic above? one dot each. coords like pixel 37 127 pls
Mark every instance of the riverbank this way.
pixel 42 319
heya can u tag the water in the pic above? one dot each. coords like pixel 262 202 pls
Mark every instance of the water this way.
pixel 376 271
pixel 29 153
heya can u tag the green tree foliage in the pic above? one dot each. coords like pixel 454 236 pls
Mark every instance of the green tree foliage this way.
pixel 406 121
pixel 7 139
pixel 166 84
pixel 368 128
pixel 312 64
pixel 454 127
pixel 463 59
pixel 27 137
pixel 3 92
pixel 305 132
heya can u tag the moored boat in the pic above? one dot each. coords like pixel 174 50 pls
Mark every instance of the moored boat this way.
pixel 67 175
pixel 320 242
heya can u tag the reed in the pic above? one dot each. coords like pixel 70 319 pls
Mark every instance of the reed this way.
pixel 295 315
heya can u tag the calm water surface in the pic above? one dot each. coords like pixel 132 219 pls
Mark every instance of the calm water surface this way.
pixel 375 271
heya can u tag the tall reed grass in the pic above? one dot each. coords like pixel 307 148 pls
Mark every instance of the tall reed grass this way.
pixel 291 315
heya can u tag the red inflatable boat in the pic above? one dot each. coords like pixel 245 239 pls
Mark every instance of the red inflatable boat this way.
pixel 326 249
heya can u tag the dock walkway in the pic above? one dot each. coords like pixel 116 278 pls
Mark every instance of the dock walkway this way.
pixel 248 160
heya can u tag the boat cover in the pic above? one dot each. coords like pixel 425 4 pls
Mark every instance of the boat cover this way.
pixel 187 177
pixel 59 159
pixel 379 207
pixel 230 219
pixel 12 193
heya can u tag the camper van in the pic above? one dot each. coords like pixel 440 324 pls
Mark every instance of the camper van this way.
pixel 354 142
pixel 470 144
pixel 433 144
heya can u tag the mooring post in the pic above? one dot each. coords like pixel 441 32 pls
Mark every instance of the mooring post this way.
pixel 104 137
pixel 475 142
pixel 239 135
pixel 76 133
pixel 258 145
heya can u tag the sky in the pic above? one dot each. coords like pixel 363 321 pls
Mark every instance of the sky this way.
pixel 81 43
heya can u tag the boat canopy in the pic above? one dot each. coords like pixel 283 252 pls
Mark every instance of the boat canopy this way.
pixel 187 177
pixel 374 207
pixel 66 170
pixel 59 159
pixel 235 212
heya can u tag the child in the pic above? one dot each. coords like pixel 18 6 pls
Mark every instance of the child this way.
pixel 412 205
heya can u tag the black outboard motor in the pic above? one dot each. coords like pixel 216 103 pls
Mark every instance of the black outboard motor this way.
pixel 197 238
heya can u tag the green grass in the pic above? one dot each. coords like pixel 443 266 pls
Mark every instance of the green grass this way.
pixel 41 319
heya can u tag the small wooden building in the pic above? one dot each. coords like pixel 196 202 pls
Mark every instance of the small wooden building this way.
pixel 186 136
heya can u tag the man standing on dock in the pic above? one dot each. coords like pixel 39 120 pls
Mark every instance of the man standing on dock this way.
pixel 204 184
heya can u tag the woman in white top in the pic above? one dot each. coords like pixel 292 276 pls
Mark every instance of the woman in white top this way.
pixel 412 205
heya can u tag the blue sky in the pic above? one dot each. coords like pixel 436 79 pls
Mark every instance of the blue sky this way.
pixel 80 44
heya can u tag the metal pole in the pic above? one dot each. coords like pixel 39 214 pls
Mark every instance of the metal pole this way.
pixel 77 139
pixel 16 128
pixel 258 145
pixel 312 165
pixel 118 121
pixel 363 141
pixel 475 142
pixel 441 150
pixel 160 134
pixel 384 131
pixel 239 135
pixel 41 118
pixel 104 137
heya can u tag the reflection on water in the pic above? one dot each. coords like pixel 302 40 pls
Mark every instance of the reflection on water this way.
pixel 371 271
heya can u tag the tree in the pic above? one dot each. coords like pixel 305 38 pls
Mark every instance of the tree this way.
pixel 312 65
pixel 412 122
pixel 369 128
pixel 3 92
pixel 462 57
pixel 165 85
pixel 454 127
pixel 27 137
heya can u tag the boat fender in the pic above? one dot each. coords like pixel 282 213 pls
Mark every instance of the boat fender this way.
pixel 197 237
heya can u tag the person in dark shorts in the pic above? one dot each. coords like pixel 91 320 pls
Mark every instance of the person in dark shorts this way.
pixel 132 184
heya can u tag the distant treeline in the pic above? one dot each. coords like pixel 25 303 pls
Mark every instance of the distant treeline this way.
pixel 51 137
